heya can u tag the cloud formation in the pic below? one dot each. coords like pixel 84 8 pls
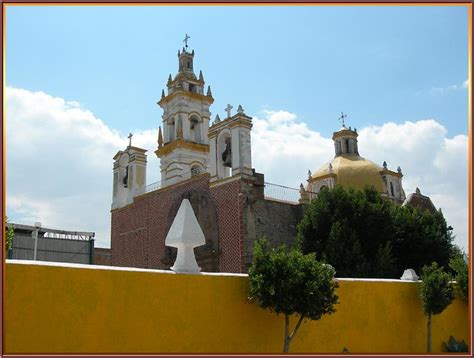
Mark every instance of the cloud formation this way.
pixel 437 91
pixel 59 160
pixel 59 163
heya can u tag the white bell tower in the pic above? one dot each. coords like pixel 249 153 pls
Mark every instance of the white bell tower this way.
pixel 183 147
pixel 129 174
pixel 230 153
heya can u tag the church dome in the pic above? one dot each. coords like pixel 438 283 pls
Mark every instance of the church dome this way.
pixel 352 171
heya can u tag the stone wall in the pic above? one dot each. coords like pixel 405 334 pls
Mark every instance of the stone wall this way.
pixel 274 220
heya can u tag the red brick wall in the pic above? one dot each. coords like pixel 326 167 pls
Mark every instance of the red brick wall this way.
pixel 102 256
pixel 139 230
pixel 229 213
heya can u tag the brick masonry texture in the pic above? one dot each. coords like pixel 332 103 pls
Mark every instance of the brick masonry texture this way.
pixel 102 256
pixel 232 214
pixel 139 229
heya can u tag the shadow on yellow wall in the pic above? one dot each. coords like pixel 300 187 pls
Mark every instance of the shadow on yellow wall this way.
pixel 57 309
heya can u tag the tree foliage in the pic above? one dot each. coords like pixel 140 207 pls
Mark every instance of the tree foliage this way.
pixel 291 283
pixel 461 274
pixel 9 234
pixel 362 234
pixel 436 293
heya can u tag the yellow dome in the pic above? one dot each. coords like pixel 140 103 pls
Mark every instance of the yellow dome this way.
pixel 353 171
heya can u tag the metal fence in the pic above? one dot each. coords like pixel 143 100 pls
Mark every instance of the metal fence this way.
pixel 50 249
pixel 148 188
pixel 46 244
pixel 281 193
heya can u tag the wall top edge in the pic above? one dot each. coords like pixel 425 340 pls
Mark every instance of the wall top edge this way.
pixel 133 269
pixel 114 268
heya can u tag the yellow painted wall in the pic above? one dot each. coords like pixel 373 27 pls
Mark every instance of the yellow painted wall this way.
pixel 51 309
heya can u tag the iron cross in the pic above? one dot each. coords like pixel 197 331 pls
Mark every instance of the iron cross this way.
pixel 186 38
pixel 342 117
pixel 130 139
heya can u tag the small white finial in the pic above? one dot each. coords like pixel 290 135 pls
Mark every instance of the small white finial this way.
pixel 228 109
pixel 309 174
pixel 218 119
pixel 409 275
pixel 384 164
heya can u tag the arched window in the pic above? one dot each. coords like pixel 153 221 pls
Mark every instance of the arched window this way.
pixel 195 129
pixel 195 170
pixel 171 130
pixel 391 189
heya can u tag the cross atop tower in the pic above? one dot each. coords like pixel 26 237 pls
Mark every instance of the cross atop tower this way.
pixel 130 139
pixel 186 38
pixel 342 118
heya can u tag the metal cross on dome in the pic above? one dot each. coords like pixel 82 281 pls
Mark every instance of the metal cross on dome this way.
pixel 186 38
pixel 130 139
pixel 342 117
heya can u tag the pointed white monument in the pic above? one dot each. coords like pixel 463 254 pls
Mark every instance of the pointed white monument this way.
pixel 185 234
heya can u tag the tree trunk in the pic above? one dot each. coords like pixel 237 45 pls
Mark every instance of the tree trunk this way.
pixel 286 342
pixel 288 337
pixel 428 342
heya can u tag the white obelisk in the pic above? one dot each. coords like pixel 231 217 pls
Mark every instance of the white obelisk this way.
pixel 185 234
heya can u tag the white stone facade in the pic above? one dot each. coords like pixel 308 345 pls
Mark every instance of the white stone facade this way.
pixel 231 134
pixel 185 149
pixel 129 175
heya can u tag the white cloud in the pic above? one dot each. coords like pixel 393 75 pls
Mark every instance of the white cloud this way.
pixel 59 160
pixel 429 159
pixel 59 163
pixel 437 91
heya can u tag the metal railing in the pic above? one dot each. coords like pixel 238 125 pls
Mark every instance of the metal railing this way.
pixel 271 191
pixel 281 193
pixel 148 188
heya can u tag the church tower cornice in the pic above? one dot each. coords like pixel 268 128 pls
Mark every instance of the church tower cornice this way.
pixel 192 95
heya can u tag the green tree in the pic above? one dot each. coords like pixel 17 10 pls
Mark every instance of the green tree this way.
pixel 289 282
pixel 421 238
pixel 436 293
pixel 461 274
pixel 350 229
pixel 9 234
pixel 362 234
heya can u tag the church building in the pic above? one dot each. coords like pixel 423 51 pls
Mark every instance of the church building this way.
pixel 210 164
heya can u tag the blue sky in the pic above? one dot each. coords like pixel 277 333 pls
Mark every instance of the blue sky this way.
pixel 80 78
pixel 375 63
